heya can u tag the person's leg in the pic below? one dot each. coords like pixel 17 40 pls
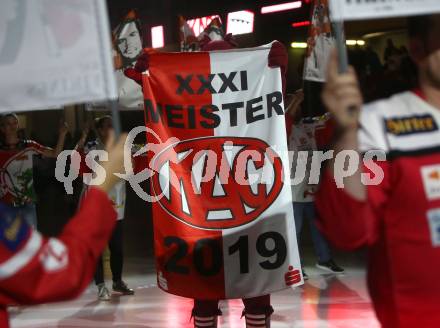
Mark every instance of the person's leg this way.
pixel 322 249
pixel 257 311
pixel 103 293
pixel 29 214
pixel 116 252
pixel 205 313
pixel 99 273
pixel 298 214
pixel 117 260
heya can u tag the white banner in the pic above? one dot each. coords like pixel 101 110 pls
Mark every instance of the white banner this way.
pixel 54 53
pixel 369 9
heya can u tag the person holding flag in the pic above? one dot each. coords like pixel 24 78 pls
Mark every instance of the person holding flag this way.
pixel 391 205
pixel 257 310
pixel 16 164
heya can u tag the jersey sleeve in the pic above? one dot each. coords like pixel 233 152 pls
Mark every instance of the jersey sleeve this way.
pixel 35 269
pixel 372 128
pixel 140 163
pixel 347 222
pixel 38 148
pixel 324 132
pixel 83 168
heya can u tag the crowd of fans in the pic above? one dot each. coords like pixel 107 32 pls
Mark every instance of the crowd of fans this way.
pixel 381 77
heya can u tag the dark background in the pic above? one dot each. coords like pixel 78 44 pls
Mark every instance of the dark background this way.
pixel 55 207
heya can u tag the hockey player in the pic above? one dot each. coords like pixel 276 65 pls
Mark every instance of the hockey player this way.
pixel 35 269
pixel 399 218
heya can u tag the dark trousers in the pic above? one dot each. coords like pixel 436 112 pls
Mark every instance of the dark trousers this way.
pixel 254 305
pixel 116 257
pixel 306 212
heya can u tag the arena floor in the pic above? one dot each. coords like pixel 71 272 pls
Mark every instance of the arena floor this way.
pixel 324 301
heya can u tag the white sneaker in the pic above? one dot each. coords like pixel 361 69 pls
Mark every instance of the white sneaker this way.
pixel 103 293
pixel 331 267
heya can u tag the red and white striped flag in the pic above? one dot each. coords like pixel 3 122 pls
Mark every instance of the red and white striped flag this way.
pixel 223 224
pixel 320 42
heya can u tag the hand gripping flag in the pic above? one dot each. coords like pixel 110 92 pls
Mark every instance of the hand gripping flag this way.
pixel 223 219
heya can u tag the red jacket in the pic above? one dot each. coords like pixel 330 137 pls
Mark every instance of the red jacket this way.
pixel 400 221
pixel 35 269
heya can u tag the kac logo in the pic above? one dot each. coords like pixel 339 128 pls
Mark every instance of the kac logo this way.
pixel 217 182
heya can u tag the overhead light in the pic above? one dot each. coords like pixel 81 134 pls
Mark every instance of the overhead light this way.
pixel 300 24
pixel 157 38
pixel 240 22
pixel 281 7
pixel 352 43
pixel 378 34
pixel 299 45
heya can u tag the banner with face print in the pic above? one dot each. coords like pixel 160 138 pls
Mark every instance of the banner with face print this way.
pixel 127 42
pixel 54 53
pixel 223 219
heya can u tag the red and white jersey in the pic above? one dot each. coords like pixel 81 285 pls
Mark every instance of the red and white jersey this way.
pixel 302 142
pixel 16 172
pixel 35 269
pixel 400 221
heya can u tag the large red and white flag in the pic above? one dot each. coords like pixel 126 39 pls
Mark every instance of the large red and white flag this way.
pixel 320 42
pixel 223 222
